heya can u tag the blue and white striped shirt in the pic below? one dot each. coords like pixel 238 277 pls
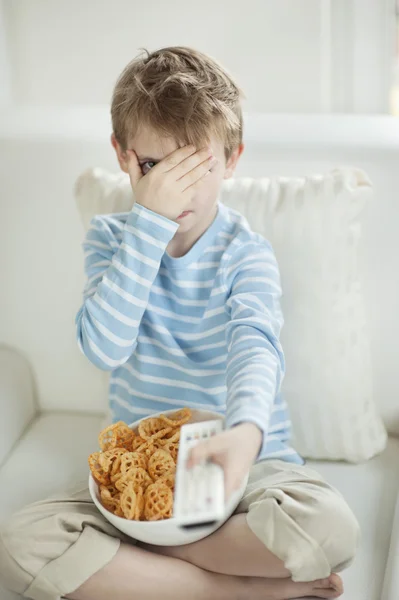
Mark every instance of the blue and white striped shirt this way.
pixel 201 330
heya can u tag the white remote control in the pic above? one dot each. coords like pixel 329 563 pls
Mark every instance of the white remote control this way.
pixel 199 491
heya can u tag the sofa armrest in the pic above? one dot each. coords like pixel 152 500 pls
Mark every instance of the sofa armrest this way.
pixel 17 399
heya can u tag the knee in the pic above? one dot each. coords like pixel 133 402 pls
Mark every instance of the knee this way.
pixel 337 531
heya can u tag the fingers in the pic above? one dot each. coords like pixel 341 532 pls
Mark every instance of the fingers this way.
pixel 185 165
pixel 206 450
pixel 175 158
pixel 186 160
pixel 198 173
pixel 191 162
pixel 133 166
pixel 216 449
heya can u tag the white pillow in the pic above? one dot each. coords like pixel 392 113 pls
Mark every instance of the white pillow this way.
pixel 314 225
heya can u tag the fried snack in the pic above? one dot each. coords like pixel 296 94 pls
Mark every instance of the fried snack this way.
pixel 119 512
pixel 178 418
pixel 100 476
pixel 110 497
pixel 149 451
pixel 136 475
pixel 118 435
pixel 111 489
pixel 115 476
pixel 133 459
pixel 155 437
pixel 160 463
pixel 168 479
pixel 158 502
pixel 137 442
pixel 150 427
pixel 172 439
pixel 135 472
pixel 110 460
pixel 171 447
pixel 150 445
pixel 132 502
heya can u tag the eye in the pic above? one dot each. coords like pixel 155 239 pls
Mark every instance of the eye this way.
pixel 147 166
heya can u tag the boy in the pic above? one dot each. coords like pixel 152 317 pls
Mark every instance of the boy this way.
pixel 182 304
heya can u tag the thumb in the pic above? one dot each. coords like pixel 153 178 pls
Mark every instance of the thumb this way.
pixel 205 450
pixel 133 168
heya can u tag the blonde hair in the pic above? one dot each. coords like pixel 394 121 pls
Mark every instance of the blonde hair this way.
pixel 178 92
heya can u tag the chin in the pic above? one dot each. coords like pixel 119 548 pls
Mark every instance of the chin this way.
pixel 183 227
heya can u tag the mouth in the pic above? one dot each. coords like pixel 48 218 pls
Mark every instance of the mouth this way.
pixel 184 214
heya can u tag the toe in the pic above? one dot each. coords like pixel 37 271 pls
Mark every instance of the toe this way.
pixel 331 587
pixel 336 583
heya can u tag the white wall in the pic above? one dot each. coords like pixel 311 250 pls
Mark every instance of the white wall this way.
pixel 288 55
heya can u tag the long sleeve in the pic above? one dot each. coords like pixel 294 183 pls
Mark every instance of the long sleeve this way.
pixel 121 263
pixel 255 361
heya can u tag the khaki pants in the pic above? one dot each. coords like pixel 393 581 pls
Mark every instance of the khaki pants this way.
pixel 50 548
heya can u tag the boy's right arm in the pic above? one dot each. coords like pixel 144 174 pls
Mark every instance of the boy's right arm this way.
pixel 120 274
pixel 119 283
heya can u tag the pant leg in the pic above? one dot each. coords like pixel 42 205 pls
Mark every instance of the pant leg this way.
pixel 300 518
pixel 50 548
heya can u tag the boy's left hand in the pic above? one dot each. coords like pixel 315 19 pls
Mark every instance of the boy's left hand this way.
pixel 235 450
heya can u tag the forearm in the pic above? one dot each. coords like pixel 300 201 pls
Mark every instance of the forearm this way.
pixel 252 381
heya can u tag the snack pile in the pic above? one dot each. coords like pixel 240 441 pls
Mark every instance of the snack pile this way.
pixel 135 472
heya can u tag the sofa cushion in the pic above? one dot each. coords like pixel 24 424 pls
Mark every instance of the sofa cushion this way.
pixel 371 490
pixel 17 402
pixel 53 454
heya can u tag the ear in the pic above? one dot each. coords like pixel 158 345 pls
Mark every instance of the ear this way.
pixel 232 162
pixel 120 154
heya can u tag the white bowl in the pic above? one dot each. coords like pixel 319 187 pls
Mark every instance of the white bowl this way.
pixel 167 532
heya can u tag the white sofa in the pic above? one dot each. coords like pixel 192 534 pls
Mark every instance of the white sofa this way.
pixel 52 402
pixel 53 447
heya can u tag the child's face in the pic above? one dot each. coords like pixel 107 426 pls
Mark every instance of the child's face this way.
pixel 148 145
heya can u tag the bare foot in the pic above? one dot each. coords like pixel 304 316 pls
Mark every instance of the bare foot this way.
pixel 331 587
pixel 286 589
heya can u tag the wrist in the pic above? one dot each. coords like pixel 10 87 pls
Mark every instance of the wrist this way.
pixel 163 210
pixel 252 432
pixel 138 207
